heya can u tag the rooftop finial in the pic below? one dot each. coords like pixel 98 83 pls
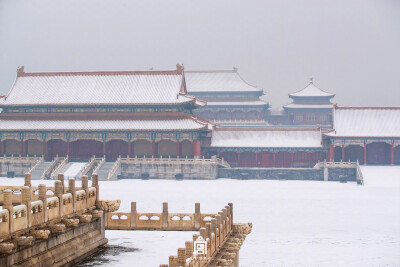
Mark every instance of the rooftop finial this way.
pixel 20 70
pixel 311 79
pixel 235 69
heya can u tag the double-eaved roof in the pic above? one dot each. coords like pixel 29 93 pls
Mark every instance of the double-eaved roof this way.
pixel 267 138
pixel 366 122
pixel 217 81
pixel 99 88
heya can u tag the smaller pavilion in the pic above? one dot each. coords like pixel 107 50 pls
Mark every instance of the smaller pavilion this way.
pixel 270 147
pixel 370 135
pixel 310 106
pixel 230 99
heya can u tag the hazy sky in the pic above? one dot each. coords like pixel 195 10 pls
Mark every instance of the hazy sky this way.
pixel 351 48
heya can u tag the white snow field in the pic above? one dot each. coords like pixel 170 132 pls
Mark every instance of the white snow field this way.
pixel 295 223
pixel 73 170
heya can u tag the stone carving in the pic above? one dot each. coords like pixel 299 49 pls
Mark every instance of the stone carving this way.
pixel 97 213
pixel 244 228
pixel 71 222
pixel 41 234
pixel 108 205
pixel 57 228
pixel 6 248
pixel 85 218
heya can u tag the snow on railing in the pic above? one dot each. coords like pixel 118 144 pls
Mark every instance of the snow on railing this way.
pixel 55 172
pixel 102 161
pixel 114 169
pixel 213 161
pixel 40 161
pixel 51 167
pixel 12 158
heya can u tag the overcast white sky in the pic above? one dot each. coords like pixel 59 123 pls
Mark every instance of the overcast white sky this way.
pixel 350 47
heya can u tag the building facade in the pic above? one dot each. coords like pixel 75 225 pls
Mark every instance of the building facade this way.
pixel 85 114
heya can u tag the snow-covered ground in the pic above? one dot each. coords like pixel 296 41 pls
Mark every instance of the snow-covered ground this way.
pixel 73 170
pixel 295 223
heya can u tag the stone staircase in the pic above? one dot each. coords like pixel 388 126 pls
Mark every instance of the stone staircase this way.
pixel 104 170
pixel 65 167
pixel 39 170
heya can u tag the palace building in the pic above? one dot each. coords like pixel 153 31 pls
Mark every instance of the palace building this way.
pixel 81 114
pixel 310 106
pixel 231 101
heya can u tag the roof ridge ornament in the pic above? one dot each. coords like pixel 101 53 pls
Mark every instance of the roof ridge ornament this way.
pixel 311 80
pixel 20 70
pixel 235 69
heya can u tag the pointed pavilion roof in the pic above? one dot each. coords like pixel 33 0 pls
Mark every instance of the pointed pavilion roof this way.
pixel 311 91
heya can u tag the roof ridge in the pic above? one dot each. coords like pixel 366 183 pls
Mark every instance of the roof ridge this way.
pixel 367 107
pixel 310 83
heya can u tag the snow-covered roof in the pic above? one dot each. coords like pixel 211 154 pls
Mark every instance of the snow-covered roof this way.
pixel 217 81
pixel 108 125
pixel 366 122
pixel 96 88
pixel 307 106
pixel 237 103
pixel 311 91
pixel 266 138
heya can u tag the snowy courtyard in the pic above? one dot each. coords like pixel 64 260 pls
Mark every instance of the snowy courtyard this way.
pixel 295 223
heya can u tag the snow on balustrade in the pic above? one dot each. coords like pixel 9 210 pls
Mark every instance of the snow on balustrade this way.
pixel 53 211
pixel 81 200
pixel 37 213
pixel 20 219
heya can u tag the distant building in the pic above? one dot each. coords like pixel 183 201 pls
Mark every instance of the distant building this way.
pixel 112 113
pixel 231 101
pixel 310 106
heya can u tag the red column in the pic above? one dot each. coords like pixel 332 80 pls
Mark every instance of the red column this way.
pixel 196 148
pixel 178 148
pixel 238 159
pixel 342 153
pixel 291 159
pixel 68 148
pixel 365 153
pixel 392 153
pixel 44 148
pixel 309 159
pixel 221 155
pixel 256 159
pixel 331 153
pixel 129 148
pixel 274 158
pixel 104 147
pixel 154 148
pixel 230 114
pixel 21 150
pixel 1 146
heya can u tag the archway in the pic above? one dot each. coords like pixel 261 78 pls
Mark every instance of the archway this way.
pixel 238 115
pixel 353 153
pixel 11 147
pixel 186 149
pixel 142 148
pixel 396 154
pixel 33 147
pixel 167 148
pixel 223 115
pixel 338 154
pixel 283 159
pixel 253 115
pixel 85 149
pixel 116 148
pixel 378 153
pixel 56 147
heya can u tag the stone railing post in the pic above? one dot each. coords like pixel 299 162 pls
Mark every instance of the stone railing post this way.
pixel 26 200
pixel 231 211
pixel 71 189
pixel 133 214
pixel 165 215
pixel 43 198
pixel 173 261
pixel 197 216
pixel 203 233
pixel 208 230
pixel 181 257
pixel 60 177
pixel 195 236
pixel 27 179
pixel 7 204
pixel 85 186
pixel 59 191
pixel 218 236
pixel 189 249
pixel 95 184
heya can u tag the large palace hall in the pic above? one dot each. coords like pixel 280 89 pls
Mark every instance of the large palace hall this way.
pixel 178 113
